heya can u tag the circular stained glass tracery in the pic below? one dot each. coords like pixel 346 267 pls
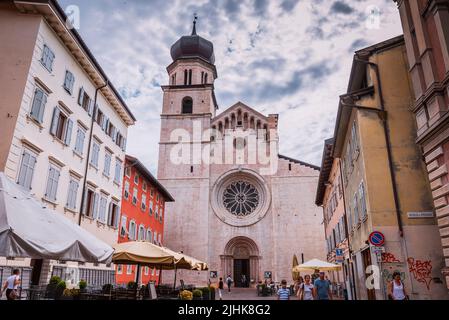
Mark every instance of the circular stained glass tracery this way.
pixel 241 198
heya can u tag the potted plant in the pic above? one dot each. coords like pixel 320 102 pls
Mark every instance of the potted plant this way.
pixel 132 285
pixel 51 286
pixel 59 291
pixel 82 285
pixel 197 294
pixel 265 290
pixel 206 293
pixel 70 294
pixel 186 295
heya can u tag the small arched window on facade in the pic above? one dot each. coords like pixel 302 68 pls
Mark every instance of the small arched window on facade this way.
pixel 187 105
pixel 205 78
pixel 185 77
pixel 190 76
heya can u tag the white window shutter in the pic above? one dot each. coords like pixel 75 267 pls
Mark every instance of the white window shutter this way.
pixel 23 169
pixel 84 209
pixel 49 182
pixel 95 207
pixel 124 144
pixel 42 108
pixel 116 216
pixel 54 121
pixel 37 101
pixel 81 96
pixel 90 107
pixel 68 133
pixel 105 123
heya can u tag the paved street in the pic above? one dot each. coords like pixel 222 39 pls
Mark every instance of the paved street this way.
pixel 249 294
pixel 243 294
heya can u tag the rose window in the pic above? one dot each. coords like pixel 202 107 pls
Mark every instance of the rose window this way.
pixel 241 198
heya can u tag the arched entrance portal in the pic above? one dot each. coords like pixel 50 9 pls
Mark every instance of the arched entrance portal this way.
pixel 241 257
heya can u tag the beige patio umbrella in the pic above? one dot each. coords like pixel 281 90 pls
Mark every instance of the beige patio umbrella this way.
pixel 184 261
pixel 316 264
pixel 143 253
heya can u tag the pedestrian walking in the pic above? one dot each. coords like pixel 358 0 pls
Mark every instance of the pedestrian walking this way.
pixel 220 288
pixel 396 288
pixel 243 280
pixel 11 285
pixel 229 282
pixel 306 291
pixel 297 285
pixel 322 288
pixel 283 292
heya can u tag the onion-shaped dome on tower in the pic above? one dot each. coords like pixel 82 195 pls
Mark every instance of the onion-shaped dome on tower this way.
pixel 193 46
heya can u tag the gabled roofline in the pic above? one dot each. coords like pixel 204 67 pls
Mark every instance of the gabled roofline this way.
pixel 235 106
pixel 299 162
pixel 326 167
pixel 147 174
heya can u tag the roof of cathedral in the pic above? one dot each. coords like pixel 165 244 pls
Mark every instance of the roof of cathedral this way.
pixel 242 106
pixel 299 162
pixel 193 46
pixel 147 174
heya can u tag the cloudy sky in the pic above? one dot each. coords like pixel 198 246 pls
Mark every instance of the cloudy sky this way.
pixel 290 57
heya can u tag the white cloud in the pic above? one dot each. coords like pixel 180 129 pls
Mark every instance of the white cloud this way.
pixel 295 63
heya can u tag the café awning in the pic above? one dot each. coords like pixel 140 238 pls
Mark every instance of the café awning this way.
pixel 29 229
pixel 316 264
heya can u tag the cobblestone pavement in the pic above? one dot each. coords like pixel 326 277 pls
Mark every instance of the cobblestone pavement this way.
pixel 243 294
pixel 250 294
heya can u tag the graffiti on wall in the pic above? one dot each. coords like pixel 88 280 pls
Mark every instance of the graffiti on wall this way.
pixel 421 270
pixel 388 257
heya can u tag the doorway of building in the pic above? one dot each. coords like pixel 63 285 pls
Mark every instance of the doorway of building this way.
pixel 36 264
pixel 366 256
pixel 241 273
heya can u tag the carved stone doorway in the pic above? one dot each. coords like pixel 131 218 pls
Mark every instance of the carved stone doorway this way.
pixel 241 257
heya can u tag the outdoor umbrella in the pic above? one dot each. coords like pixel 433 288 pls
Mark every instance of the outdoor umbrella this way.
pixel 29 229
pixel 144 253
pixel 316 264
pixel 184 261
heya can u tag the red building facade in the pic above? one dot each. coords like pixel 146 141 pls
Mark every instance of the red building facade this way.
pixel 142 216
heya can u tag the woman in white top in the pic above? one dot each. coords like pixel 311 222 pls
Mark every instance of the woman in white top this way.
pixel 11 285
pixel 397 289
pixel 306 289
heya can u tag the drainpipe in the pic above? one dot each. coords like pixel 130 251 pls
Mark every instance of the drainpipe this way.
pixel 88 150
pixel 383 116
pixel 388 142
pixel 350 265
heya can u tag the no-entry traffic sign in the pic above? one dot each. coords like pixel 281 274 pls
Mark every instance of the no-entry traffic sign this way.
pixel 377 238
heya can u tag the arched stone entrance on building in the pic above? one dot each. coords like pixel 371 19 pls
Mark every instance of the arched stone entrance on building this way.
pixel 241 257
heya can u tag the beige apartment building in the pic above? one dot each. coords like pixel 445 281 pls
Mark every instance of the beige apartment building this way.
pixel 384 178
pixel 56 141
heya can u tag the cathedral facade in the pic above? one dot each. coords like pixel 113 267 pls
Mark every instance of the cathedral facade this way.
pixel 239 205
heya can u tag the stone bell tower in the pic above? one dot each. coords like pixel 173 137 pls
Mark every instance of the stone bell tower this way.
pixel 189 104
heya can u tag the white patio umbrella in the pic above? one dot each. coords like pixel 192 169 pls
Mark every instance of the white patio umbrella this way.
pixel 29 229
pixel 316 264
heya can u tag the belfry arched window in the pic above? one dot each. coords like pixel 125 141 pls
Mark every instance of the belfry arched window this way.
pixel 187 105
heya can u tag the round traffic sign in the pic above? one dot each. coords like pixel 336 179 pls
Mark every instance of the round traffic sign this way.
pixel 376 238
